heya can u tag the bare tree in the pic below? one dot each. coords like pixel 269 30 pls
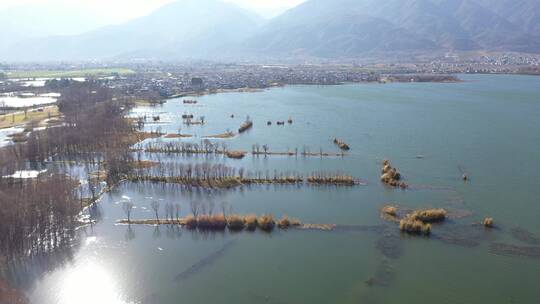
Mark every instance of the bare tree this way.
pixel 128 207
pixel 211 207
pixel 224 208
pixel 155 207
pixel 169 209
pixel 194 208
pixel 177 210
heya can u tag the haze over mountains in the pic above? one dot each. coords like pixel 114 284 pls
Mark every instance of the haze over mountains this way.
pixel 39 20
pixel 211 29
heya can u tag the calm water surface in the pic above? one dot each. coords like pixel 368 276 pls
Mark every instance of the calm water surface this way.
pixel 486 126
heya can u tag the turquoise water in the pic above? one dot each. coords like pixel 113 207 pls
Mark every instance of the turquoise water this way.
pixel 486 126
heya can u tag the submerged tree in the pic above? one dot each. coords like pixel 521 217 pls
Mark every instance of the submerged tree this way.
pixel 128 207
pixel 155 207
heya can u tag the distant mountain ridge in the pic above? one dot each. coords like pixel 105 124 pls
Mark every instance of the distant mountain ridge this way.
pixel 349 27
pixel 211 29
pixel 181 29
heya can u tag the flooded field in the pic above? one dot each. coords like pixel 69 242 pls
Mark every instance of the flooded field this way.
pixel 28 100
pixel 484 129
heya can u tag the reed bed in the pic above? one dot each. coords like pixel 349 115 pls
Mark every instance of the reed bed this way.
pixel 177 135
pixel 248 124
pixel 190 222
pixel 341 144
pixel 390 210
pixel 323 178
pixel 286 223
pixel 235 154
pixel 391 176
pixel 488 222
pixel 429 215
pixel 236 222
pixel 212 222
pixel 221 176
pixel 250 222
pixel 266 222
pixel 412 226
pixel 217 222
pixel 417 221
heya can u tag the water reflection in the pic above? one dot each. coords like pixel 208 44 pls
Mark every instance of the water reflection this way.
pixel 130 234
pixel 24 272
pixel 74 285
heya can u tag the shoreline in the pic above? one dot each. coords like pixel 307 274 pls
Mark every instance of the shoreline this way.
pixel 384 80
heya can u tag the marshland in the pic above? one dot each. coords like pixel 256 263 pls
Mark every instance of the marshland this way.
pixel 487 236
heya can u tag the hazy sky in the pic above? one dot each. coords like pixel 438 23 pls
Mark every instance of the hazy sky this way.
pixel 127 9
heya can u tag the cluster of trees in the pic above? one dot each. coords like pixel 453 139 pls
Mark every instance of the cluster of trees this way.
pixel 204 171
pixel 92 122
pixel 204 147
pixel 36 215
pixel 40 214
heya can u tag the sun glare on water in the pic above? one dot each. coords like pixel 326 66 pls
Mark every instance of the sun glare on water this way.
pixel 90 283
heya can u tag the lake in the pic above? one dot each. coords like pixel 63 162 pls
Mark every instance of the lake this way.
pixel 486 127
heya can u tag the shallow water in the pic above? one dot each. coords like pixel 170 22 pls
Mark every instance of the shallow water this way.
pixel 21 102
pixel 485 127
pixel 5 133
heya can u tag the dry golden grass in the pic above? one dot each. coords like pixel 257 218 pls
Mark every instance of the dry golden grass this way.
pixel 391 176
pixel 266 222
pixel 212 222
pixel 250 222
pixel 488 222
pixel 235 222
pixel 190 222
pixel 176 135
pixel 341 144
pixel 236 154
pixel 245 126
pixel 18 118
pixel 284 222
pixel 414 226
pixel 389 210
pixel 332 180
pixel 295 222
pixel 429 215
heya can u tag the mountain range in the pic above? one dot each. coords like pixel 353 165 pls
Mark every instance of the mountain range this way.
pixel 211 29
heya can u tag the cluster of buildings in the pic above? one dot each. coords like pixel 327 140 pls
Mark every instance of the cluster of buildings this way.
pixel 484 64
pixel 171 80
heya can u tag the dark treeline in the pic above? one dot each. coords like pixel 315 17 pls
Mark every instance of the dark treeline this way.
pixel 92 122
pixel 221 176
pixel 36 215
pixel 204 147
pixel 39 214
